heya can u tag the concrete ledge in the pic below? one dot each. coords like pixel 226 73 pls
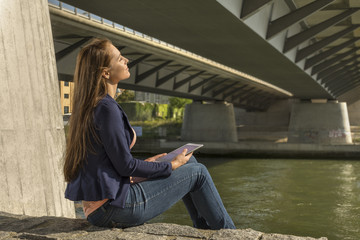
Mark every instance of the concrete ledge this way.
pixel 256 149
pixel 56 228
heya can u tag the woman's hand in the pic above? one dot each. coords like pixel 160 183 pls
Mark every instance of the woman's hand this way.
pixel 134 180
pixel 180 159
pixel 152 159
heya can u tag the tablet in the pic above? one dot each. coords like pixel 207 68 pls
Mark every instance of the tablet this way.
pixel 191 147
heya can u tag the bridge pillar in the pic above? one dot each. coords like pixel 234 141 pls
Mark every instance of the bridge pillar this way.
pixel 31 128
pixel 354 113
pixel 321 123
pixel 209 123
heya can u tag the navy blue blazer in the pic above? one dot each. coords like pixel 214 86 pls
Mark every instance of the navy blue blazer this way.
pixel 106 172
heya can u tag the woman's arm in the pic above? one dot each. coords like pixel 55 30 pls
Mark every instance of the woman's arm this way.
pixel 178 161
pixel 110 124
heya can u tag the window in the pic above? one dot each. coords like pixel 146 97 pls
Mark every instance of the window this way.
pixel 66 95
pixel 66 83
pixel 66 109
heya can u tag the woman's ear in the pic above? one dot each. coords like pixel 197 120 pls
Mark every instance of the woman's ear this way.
pixel 106 74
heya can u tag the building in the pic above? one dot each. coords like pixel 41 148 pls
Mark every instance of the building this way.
pixel 66 93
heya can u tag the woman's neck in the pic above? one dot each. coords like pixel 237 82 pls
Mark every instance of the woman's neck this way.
pixel 111 89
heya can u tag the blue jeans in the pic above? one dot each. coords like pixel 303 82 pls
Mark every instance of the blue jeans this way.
pixel 191 182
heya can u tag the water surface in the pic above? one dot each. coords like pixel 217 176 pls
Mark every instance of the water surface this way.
pixel 299 197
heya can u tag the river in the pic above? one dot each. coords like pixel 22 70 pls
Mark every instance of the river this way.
pixel 289 196
pixel 316 198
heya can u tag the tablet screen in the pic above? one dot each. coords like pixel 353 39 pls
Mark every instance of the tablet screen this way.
pixel 171 155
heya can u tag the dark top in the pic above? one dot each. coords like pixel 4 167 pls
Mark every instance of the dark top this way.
pixel 105 174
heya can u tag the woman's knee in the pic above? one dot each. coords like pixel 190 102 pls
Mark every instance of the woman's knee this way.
pixel 192 160
pixel 199 169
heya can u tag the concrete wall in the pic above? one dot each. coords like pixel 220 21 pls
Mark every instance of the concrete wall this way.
pixel 265 119
pixel 321 123
pixel 271 125
pixel 209 123
pixel 31 129
pixel 277 115
pixel 354 113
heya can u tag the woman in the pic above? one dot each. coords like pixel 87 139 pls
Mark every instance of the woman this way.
pixel 100 169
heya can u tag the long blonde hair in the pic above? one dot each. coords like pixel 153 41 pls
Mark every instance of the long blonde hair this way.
pixel 89 88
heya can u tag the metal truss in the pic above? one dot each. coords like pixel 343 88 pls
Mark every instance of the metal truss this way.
pixel 293 17
pixel 335 67
pixel 186 80
pixel 199 84
pixel 317 46
pixel 343 80
pixel 141 77
pixel 326 64
pixel 65 52
pixel 223 89
pixel 348 87
pixel 250 7
pixel 342 73
pixel 233 91
pixel 301 37
pixel 213 86
pixel 169 76
pixel 321 56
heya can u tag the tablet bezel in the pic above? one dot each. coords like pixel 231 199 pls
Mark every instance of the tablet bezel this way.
pixel 177 151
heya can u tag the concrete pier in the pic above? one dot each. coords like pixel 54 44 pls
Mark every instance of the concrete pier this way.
pixel 354 113
pixel 319 123
pixel 209 122
pixel 31 127
pixel 271 125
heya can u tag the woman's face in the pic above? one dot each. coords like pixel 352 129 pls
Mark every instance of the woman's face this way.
pixel 119 69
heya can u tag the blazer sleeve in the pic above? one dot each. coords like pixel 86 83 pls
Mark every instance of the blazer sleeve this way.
pixel 110 125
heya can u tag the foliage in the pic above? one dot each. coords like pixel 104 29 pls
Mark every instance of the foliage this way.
pixel 139 111
pixel 126 96
pixel 176 102
pixel 156 120
pixel 176 113
pixel 162 111
pixel 177 107
pixel 151 129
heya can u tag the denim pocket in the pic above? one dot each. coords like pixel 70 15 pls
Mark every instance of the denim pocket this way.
pixel 101 216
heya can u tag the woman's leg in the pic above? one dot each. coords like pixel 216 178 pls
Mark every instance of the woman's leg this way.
pixel 151 198
pixel 197 219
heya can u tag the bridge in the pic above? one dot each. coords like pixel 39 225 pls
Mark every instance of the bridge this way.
pixel 289 44
pixel 256 55
pixel 157 66
pixel 249 53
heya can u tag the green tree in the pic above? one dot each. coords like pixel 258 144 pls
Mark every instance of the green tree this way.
pixel 177 102
pixel 126 96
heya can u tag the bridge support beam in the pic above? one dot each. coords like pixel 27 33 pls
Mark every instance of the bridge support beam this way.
pixel 31 127
pixel 209 123
pixel 320 123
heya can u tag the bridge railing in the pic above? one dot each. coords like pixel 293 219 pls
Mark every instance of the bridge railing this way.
pixel 96 18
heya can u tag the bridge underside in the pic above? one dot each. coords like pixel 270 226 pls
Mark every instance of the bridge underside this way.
pixel 210 30
pixel 157 68
pixel 306 47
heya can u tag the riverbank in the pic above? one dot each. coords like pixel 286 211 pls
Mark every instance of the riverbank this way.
pixel 56 228
pixel 246 149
